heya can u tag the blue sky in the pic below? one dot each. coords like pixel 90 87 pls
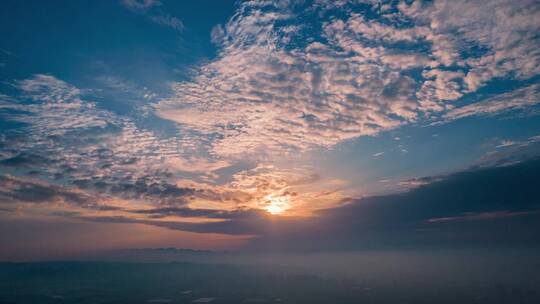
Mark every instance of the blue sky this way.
pixel 111 108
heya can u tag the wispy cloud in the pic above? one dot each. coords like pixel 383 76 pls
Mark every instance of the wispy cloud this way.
pixel 141 4
pixel 152 9
pixel 514 100
pixel 168 21
pixel 507 152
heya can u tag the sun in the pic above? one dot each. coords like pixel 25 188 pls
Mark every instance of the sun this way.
pixel 277 204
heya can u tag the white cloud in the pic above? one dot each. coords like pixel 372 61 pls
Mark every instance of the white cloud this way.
pixel 506 143
pixel 261 96
pixel 493 39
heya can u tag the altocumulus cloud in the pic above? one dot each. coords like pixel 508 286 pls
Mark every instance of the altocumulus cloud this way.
pixel 58 134
pixel 279 85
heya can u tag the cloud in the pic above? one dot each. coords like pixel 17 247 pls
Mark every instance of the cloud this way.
pixel 16 190
pixel 206 213
pixel 143 189
pixel 217 34
pixel 510 152
pixel 23 160
pixel 273 90
pixel 421 181
pixel 506 143
pixel 483 216
pixel 478 207
pixel 151 9
pixel 63 136
pixel 260 97
pixel 120 88
pixel 141 5
pixel 112 157
pixel 278 88
pixel 57 107
pixel 514 100
pixel 169 21
pixel 377 31
pixel 237 227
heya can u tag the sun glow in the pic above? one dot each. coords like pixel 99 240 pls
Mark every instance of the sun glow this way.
pixel 277 204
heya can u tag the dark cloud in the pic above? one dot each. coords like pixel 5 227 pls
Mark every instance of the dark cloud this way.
pixel 249 226
pixel 25 160
pixel 494 206
pixel 479 207
pixel 16 190
pixel 147 188
pixel 239 214
pixel 235 222
pixel 13 189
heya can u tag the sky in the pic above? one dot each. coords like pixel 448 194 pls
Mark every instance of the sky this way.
pixel 266 125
